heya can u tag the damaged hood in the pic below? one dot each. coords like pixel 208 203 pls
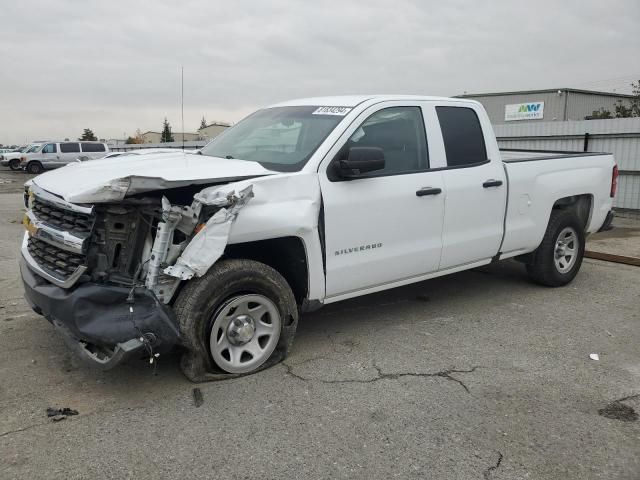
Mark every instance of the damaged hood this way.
pixel 113 179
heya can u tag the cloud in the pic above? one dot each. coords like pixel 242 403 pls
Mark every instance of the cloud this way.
pixel 115 66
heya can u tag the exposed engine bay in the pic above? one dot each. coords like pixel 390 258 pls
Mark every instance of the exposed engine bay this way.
pixel 134 242
pixel 113 268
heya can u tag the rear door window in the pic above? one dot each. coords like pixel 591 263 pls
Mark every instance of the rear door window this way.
pixel 69 148
pixel 462 135
pixel 93 147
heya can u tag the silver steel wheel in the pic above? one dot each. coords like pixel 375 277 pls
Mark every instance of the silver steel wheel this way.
pixel 566 250
pixel 244 333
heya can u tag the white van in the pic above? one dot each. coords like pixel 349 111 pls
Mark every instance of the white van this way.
pixel 58 154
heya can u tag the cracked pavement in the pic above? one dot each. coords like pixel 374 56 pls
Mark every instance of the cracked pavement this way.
pixel 385 376
pixel 479 375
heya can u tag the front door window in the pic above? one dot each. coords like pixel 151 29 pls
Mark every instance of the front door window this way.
pixel 50 148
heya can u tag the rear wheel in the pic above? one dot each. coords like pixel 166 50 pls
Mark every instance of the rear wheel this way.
pixel 558 258
pixel 34 168
pixel 14 164
pixel 240 317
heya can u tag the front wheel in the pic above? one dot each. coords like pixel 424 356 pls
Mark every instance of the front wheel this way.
pixel 14 164
pixel 558 258
pixel 244 333
pixel 35 168
pixel 240 317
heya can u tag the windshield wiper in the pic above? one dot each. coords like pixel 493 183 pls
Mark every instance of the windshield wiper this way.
pixel 229 157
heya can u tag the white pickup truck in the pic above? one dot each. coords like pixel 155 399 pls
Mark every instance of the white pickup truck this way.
pixel 301 204
pixel 12 159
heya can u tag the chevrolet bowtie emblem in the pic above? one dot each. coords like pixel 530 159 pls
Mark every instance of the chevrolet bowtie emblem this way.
pixel 30 227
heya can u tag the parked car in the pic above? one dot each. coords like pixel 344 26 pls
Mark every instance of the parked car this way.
pixel 300 205
pixel 58 154
pixel 12 160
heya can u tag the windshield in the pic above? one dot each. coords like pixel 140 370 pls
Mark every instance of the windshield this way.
pixel 280 138
pixel 33 148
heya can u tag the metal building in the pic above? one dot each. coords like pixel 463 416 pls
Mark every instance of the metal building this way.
pixel 555 104
pixel 620 136
pixel 156 137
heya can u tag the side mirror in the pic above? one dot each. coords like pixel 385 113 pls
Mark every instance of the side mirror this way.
pixel 361 160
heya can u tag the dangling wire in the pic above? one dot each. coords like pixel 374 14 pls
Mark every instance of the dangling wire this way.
pixel 143 337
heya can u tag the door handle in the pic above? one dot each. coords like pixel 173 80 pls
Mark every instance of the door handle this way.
pixel 428 191
pixel 492 183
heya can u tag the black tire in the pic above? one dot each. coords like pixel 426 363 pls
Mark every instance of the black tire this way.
pixel 201 299
pixel 543 269
pixel 34 168
pixel 14 164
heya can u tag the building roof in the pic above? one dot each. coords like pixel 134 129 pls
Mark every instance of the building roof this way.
pixel 546 90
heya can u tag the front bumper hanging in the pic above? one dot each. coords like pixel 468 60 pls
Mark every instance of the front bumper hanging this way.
pixel 100 322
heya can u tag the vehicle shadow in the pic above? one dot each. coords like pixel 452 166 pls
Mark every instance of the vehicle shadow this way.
pixel 458 287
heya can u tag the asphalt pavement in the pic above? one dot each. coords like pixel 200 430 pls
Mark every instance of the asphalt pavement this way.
pixel 478 375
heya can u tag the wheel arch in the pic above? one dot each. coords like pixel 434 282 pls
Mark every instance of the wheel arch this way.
pixel 286 255
pixel 581 205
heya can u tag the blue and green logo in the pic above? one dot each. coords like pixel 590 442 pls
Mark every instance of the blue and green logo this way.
pixel 529 107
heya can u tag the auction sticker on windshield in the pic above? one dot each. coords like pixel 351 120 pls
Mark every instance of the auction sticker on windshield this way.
pixel 340 111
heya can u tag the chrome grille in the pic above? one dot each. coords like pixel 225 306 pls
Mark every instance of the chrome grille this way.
pixel 76 223
pixel 55 261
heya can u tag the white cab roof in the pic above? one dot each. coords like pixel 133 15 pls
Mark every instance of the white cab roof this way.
pixel 353 100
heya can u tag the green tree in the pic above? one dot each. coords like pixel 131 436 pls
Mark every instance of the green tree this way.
pixel 88 135
pixel 632 109
pixel 138 139
pixel 203 122
pixel 130 141
pixel 623 111
pixel 626 109
pixel 166 132
pixel 600 114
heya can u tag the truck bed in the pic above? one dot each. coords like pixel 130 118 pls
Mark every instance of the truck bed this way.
pixel 534 186
pixel 510 155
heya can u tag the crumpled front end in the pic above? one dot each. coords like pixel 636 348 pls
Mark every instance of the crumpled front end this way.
pixel 105 274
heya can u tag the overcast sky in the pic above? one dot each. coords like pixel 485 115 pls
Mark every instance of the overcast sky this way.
pixel 114 66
